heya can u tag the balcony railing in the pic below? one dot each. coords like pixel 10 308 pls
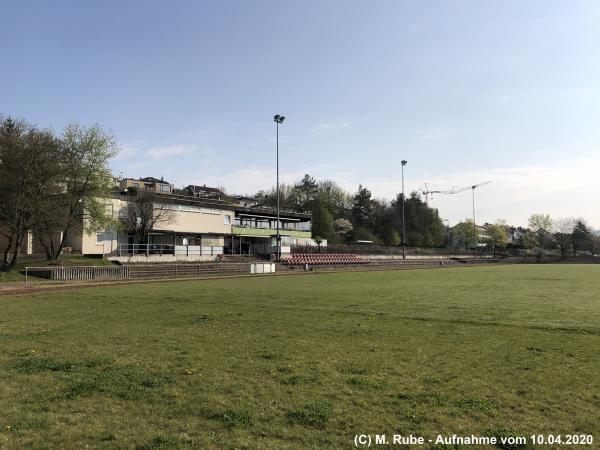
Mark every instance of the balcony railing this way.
pixel 252 231
pixel 284 226
pixel 167 249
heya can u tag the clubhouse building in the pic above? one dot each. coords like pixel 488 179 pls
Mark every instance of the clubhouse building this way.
pixel 198 224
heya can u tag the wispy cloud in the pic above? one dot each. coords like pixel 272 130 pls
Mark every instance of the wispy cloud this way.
pixel 158 153
pixel 126 152
pixel 330 126
pixel 515 193
pixel 434 133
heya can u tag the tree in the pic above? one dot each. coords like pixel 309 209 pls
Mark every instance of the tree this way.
pixel 464 231
pixel 337 200
pixel 424 227
pixel 563 233
pixel 386 222
pixel 362 208
pixel 528 241
pixel 342 227
pixel 28 177
pixel 362 234
pixel 582 236
pixel 541 224
pixel 86 182
pixel 142 214
pixel 595 243
pixel 496 236
pixel 391 237
pixel 286 197
pixel 322 222
pixel 304 193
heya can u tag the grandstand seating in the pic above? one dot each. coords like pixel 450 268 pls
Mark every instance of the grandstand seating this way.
pixel 323 259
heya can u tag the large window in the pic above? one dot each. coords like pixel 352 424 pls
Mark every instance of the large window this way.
pixel 165 188
pixel 226 219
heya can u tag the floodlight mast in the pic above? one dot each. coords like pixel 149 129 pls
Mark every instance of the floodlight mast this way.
pixel 403 162
pixel 278 120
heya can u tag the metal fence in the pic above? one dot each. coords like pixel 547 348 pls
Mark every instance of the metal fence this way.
pixel 60 273
pixel 372 249
pixel 189 270
pixel 153 271
pixel 147 271
pixel 394 264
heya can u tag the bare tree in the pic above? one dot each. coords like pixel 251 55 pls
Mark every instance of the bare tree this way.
pixel 563 233
pixel 142 214
pixel 28 175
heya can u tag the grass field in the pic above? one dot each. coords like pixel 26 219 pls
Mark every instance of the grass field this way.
pixel 303 361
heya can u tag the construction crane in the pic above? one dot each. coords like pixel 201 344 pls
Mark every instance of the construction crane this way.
pixel 427 193
pixel 473 187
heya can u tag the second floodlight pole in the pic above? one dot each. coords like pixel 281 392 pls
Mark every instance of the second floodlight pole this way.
pixel 475 243
pixel 403 226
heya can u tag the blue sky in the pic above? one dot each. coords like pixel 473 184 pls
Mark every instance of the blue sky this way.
pixel 466 91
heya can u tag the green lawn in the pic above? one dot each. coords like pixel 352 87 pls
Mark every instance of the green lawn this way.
pixel 303 361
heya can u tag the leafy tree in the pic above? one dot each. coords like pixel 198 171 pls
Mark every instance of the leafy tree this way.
pixel 541 224
pixel 464 232
pixel 595 243
pixel 304 193
pixel 322 223
pixel 386 223
pixel 581 238
pixel 362 234
pixel 391 237
pixel 528 241
pixel 362 209
pixel 342 228
pixel 424 227
pixel 496 236
pixel 86 182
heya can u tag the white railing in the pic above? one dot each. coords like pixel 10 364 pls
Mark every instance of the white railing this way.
pixel 168 249
pixel 66 273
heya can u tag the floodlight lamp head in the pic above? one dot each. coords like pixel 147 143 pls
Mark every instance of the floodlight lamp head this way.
pixel 279 118
pixel 403 162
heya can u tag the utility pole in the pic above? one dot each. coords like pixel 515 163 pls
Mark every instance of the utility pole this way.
pixel 448 231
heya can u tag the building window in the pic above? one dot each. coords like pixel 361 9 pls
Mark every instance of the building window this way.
pixel 165 188
pixel 226 220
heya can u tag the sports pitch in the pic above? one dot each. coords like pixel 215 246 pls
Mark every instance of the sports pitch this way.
pixel 303 361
